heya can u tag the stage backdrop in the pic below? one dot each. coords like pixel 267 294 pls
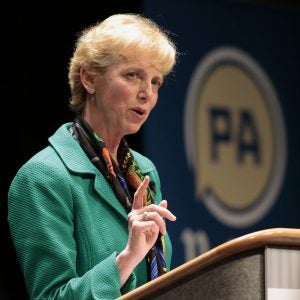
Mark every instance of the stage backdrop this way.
pixel 225 133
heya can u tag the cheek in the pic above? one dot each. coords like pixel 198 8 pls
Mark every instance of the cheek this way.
pixel 153 101
pixel 121 93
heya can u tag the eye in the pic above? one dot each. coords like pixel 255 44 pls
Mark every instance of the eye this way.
pixel 157 83
pixel 131 74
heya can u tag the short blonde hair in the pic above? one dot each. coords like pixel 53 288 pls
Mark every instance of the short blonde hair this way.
pixel 107 43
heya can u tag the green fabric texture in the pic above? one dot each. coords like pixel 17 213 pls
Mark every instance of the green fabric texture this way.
pixel 68 226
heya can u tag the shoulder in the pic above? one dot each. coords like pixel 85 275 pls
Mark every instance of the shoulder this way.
pixel 144 163
pixel 50 160
pixel 147 167
pixel 43 167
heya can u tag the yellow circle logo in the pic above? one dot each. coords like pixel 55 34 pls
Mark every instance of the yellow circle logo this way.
pixel 235 137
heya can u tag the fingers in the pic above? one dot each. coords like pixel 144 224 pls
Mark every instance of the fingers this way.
pixel 138 200
pixel 153 218
pixel 151 215
pixel 157 214
pixel 161 210
pixel 148 222
pixel 164 203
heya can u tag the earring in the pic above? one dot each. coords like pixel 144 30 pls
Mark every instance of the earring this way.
pixel 91 91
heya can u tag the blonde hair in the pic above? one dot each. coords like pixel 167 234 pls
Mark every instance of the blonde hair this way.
pixel 109 41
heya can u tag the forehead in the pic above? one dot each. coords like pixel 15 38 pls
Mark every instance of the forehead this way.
pixel 143 63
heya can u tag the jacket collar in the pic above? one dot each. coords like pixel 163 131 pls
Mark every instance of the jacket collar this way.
pixel 76 161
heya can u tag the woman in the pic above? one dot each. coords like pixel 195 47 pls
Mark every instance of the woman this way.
pixel 86 214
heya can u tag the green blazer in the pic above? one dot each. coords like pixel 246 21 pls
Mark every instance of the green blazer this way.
pixel 68 226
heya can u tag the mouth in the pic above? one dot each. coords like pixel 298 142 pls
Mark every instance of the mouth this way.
pixel 139 111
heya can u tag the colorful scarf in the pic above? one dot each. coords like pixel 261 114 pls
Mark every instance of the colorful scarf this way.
pixel 124 180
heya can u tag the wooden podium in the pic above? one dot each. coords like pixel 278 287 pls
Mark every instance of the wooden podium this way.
pixel 260 265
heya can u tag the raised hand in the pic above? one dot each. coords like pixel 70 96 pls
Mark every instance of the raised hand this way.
pixel 144 225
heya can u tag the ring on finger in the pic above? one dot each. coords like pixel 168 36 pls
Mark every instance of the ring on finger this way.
pixel 145 216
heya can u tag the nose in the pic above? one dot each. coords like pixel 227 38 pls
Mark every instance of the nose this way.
pixel 146 91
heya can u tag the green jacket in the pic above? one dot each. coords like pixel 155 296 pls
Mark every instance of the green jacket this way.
pixel 68 226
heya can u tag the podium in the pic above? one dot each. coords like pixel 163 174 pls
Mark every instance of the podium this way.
pixel 260 265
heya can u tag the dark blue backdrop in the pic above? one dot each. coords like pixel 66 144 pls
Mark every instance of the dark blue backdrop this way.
pixel 272 36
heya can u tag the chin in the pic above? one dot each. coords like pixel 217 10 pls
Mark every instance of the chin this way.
pixel 133 130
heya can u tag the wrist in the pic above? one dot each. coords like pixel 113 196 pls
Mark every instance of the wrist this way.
pixel 126 264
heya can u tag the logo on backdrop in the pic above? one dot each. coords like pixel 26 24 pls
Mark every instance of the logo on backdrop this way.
pixel 234 137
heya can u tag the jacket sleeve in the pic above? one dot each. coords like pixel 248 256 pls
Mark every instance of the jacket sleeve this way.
pixel 40 216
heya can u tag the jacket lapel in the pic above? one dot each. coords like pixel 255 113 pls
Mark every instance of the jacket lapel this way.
pixel 76 161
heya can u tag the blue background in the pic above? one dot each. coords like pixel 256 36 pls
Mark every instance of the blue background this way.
pixel 272 37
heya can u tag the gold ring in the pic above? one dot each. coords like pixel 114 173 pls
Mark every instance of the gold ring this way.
pixel 145 216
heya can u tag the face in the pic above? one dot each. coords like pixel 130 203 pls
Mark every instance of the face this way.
pixel 124 97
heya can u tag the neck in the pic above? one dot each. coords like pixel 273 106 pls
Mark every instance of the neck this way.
pixel 111 140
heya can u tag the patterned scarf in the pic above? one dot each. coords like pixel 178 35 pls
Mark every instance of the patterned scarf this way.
pixel 124 180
